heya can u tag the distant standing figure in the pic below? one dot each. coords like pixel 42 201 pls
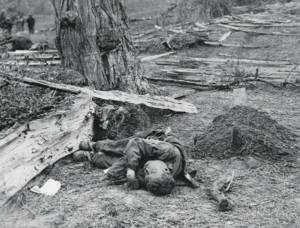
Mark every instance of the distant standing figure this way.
pixel 30 22
pixel 18 24
pixel 7 26
pixel 22 22
pixel 2 19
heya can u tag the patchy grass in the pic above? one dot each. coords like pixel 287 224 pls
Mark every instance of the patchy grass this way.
pixel 20 103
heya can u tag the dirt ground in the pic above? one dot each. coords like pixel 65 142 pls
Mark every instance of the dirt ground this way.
pixel 266 194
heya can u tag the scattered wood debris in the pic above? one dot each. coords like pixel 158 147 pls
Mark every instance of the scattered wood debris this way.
pixel 186 34
pixel 222 73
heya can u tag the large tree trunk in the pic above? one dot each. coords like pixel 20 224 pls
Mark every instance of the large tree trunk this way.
pixel 93 38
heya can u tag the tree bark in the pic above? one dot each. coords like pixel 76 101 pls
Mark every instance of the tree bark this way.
pixel 93 38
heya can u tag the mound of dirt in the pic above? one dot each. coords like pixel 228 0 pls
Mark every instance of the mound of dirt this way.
pixel 244 131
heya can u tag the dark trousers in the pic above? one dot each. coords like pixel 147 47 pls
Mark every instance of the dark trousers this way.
pixel 31 30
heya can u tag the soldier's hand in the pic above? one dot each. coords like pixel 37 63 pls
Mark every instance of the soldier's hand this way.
pixel 132 183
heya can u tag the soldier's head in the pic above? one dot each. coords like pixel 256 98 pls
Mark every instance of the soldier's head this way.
pixel 158 177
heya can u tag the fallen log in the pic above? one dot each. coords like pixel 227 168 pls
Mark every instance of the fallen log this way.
pixel 150 101
pixel 40 143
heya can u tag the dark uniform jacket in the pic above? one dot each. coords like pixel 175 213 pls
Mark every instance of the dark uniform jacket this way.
pixel 136 151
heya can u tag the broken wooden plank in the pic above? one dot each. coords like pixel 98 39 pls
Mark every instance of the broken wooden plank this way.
pixel 224 37
pixel 140 19
pixel 257 32
pixel 30 63
pixel 151 32
pixel 153 57
pixel 259 19
pixel 233 45
pixel 188 84
pixel 208 74
pixel 43 83
pixel 26 52
pixel 200 25
pixel 35 57
pixel 150 101
pixel 168 62
pixel 25 153
pixel 243 24
pixel 175 62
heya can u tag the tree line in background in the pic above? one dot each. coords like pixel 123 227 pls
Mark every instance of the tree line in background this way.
pixel 16 8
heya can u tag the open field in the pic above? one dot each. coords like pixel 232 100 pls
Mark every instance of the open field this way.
pixel 265 195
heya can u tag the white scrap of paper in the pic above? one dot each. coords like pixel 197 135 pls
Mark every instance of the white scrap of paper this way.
pixel 50 188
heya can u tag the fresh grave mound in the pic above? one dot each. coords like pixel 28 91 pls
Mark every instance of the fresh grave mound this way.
pixel 244 131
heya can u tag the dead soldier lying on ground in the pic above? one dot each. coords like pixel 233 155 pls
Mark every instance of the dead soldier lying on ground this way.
pixel 154 160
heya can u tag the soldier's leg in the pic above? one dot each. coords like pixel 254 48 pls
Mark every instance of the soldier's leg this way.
pixel 106 146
